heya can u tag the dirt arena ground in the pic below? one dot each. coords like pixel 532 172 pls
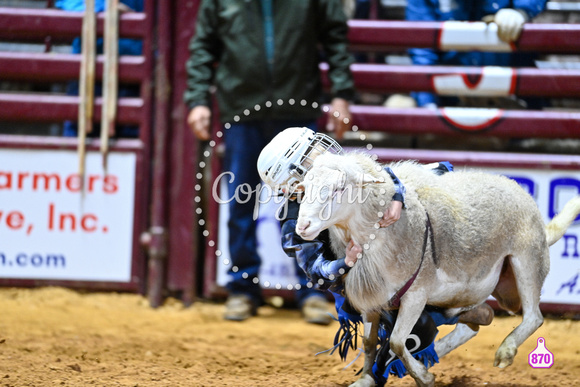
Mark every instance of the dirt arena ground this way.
pixel 59 337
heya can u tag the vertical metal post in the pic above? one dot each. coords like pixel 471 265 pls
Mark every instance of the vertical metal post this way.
pixel 160 184
pixel 184 239
pixel 145 160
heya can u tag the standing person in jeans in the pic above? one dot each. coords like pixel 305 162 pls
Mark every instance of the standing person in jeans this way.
pixel 263 58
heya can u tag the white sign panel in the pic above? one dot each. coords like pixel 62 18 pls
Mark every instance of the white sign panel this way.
pixel 471 36
pixel 51 230
pixel 277 270
pixel 494 81
pixel 550 188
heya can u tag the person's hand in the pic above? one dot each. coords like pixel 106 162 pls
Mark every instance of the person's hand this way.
pixel 352 253
pixel 198 120
pixel 392 214
pixel 400 101
pixel 510 23
pixel 339 118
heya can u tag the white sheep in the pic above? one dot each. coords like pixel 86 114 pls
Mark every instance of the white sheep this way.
pixel 487 237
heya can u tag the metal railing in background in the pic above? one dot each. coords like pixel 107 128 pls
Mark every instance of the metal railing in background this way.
pixel 466 81
pixel 382 35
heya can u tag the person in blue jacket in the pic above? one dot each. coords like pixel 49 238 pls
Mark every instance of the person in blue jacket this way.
pixel 509 15
pixel 282 165
pixel 126 47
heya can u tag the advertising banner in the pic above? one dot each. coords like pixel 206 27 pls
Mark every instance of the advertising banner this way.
pixel 53 228
pixel 552 189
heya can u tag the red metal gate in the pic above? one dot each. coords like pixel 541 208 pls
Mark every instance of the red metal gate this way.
pixel 26 25
pixel 166 151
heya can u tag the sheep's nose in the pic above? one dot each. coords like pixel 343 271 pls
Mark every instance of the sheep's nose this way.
pixel 302 226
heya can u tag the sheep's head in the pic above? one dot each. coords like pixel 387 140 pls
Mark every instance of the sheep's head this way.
pixel 332 188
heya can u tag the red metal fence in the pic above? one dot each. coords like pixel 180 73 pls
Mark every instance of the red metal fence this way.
pixel 374 35
pixel 34 25
pixel 165 217
pixel 528 82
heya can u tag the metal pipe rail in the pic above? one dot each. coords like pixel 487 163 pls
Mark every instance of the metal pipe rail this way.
pixel 62 67
pixel 465 81
pixel 467 121
pixel 34 24
pixel 482 159
pixel 24 24
pixel 13 141
pixel 57 108
pixel 376 35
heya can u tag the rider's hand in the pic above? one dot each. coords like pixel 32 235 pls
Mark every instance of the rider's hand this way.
pixel 352 253
pixel 392 214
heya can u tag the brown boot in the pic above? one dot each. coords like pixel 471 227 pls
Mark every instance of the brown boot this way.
pixel 480 315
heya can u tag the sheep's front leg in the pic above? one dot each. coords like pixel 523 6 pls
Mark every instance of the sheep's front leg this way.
pixel 411 308
pixel 370 338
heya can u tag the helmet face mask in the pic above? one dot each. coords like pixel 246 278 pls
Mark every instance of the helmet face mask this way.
pixel 321 143
pixel 284 166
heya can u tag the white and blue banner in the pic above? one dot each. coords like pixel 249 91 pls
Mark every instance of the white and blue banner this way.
pixel 53 229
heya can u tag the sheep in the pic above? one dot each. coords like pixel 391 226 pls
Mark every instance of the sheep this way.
pixel 486 237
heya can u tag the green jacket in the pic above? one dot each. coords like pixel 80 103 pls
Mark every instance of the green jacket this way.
pixel 228 51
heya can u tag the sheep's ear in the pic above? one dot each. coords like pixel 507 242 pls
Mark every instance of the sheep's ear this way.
pixel 366 178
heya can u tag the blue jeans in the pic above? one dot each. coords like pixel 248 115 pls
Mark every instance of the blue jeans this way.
pixel 244 142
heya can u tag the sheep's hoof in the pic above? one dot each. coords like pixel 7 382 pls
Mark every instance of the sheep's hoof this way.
pixel 504 357
pixel 503 363
pixel 428 382
pixel 365 381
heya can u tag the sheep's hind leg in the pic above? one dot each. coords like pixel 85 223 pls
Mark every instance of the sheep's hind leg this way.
pixel 529 279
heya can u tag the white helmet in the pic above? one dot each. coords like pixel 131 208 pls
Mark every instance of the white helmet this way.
pixel 286 159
